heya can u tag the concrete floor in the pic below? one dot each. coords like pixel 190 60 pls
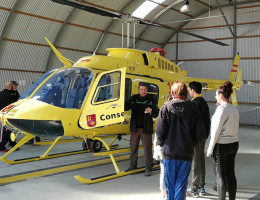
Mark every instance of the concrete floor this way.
pixel 63 186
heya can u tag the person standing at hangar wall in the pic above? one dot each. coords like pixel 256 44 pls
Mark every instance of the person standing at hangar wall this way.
pixel 15 94
pixel 6 98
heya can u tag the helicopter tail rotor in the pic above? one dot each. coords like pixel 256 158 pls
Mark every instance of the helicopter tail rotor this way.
pixel 235 77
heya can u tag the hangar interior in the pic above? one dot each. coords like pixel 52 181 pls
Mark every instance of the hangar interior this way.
pixel 25 56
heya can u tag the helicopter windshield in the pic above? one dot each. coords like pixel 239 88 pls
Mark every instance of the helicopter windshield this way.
pixel 29 91
pixel 66 89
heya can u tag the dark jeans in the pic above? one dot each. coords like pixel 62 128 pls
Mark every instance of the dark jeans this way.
pixel 6 138
pixel 147 144
pixel 224 155
pixel 198 166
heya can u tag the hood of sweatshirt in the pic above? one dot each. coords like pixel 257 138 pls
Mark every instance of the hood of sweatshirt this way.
pixel 181 108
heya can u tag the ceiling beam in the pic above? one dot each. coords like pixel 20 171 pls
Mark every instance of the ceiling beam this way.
pixel 213 8
pixel 225 18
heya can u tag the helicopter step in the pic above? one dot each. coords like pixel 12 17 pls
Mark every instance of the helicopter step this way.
pixel 111 154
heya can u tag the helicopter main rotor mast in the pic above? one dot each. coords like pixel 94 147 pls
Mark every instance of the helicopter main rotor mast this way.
pixel 129 19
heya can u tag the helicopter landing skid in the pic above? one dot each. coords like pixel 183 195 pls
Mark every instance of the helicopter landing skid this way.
pixel 118 172
pixel 46 153
pixel 110 176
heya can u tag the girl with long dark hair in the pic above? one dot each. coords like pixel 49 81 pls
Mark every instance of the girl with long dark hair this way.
pixel 223 145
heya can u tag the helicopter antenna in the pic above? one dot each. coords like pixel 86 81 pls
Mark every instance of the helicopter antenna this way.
pixel 180 63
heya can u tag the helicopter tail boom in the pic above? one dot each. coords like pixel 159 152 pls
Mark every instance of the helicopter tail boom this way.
pixel 234 77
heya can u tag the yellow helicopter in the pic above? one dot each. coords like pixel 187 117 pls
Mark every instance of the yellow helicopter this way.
pixel 86 99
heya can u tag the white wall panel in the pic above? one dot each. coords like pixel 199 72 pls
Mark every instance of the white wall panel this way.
pixel 249 93
pixel 200 50
pixel 45 8
pixel 88 19
pixel 3 17
pixel 79 38
pixel 7 3
pixel 208 69
pixel 251 14
pixel 171 52
pixel 30 29
pixel 23 56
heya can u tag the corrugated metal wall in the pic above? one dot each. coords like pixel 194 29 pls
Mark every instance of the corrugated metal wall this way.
pixel 248 48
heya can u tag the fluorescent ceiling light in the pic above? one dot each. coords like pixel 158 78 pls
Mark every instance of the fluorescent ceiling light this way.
pixel 185 8
pixel 146 8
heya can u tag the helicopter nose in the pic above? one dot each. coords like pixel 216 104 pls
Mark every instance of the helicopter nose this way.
pixel 49 128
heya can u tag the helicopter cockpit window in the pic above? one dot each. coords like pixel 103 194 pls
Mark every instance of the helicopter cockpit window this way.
pixel 66 89
pixel 29 91
pixel 153 90
pixel 108 88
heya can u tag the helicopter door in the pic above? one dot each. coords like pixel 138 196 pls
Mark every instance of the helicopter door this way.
pixel 105 102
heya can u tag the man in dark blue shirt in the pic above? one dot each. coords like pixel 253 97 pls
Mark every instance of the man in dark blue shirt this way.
pixel 198 165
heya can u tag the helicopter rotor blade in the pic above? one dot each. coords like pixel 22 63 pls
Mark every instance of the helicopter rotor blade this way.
pixel 184 32
pixel 107 13
pixel 204 38
pixel 90 9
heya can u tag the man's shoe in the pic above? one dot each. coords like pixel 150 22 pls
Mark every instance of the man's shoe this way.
pixel 12 145
pixel 202 191
pixel 29 142
pixel 37 139
pixel 192 193
pixel 130 169
pixel 215 187
pixel 148 172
